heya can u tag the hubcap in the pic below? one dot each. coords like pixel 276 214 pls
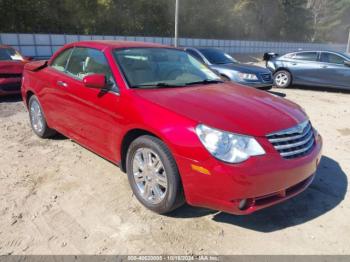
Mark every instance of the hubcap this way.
pixel 149 175
pixel 281 79
pixel 36 117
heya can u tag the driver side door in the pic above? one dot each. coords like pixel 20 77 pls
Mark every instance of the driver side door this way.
pixel 93 114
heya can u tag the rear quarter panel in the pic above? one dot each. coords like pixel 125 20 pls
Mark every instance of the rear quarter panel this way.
pixel 31 79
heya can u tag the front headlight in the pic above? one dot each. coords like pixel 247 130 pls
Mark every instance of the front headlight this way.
pixel 245 76
pixel 227 146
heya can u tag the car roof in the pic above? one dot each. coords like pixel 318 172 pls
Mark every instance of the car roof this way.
pixel 342 54
pixel 102 44
pixel 318 51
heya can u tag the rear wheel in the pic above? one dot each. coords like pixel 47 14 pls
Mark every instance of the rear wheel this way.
pixel 153 175
pixel 283 79
pixel 37 119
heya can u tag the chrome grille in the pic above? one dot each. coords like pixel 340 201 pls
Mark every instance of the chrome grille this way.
pixel 266 77
pixel 294 142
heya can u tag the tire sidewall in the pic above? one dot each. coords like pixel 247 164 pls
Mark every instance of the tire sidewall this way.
pixel 289 78
pixel 173 179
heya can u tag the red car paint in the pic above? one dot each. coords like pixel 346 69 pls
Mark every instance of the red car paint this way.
pixel 11 74
pixel 101 122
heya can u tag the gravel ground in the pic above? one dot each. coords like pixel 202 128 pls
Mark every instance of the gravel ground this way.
pixel 59 198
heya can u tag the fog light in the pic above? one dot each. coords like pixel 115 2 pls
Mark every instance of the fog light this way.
pixel 244 204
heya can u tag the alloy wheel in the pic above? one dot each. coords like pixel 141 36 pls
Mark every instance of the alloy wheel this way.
pixel 150 176
pixel 36 116
pixel 282 79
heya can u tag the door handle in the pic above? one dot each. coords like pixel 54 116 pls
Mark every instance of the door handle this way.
pixel 325 66
pixel 61 83
pixel 294 63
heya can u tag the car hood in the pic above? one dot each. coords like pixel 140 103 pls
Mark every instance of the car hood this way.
pixel 229 107
pixel 11 67
pixel 244 68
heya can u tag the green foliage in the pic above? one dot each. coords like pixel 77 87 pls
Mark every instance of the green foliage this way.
pixel 281 20
pixel 331 20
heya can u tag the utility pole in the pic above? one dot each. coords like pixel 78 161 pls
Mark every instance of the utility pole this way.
pixel 348 48
pixel 176 40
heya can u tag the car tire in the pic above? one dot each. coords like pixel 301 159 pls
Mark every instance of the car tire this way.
pixel 157 185
pixel 37 119
pixel 282 79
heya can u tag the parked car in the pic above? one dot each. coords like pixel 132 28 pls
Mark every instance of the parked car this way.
pixel 179 132
pixel 232 70
pixel 11 68
pixel 310 68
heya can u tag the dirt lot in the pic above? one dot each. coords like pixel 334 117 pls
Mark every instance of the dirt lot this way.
pixel 58 198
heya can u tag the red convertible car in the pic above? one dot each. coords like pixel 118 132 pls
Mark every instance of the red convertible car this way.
pixel 179 132
pixel 11 68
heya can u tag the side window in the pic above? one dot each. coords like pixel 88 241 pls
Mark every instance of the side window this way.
pixel 332 58
pixel 289 56
pixel 60 61
pixel 195 54
pixel 87 61
pixel 306 56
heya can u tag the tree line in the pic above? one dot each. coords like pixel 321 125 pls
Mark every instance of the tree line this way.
pixel 274 20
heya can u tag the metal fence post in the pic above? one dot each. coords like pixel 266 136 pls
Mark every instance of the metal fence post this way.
pixel 348 47
pixel 176 23
pixel 51 44
pixel 19 42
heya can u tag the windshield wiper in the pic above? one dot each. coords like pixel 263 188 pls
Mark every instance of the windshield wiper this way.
pixel 167 85
pixel 206 81
pixel 161 85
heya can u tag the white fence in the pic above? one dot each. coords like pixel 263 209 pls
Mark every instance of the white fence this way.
pixel 44 45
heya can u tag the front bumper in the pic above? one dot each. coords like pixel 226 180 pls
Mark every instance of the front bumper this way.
pixel 262 181
pixel 10 85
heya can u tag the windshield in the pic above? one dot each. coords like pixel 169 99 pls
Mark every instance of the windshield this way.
pixel 215 56
pixel 162 67
pixel 9 54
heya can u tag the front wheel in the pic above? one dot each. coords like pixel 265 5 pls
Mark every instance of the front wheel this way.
pixel 153 175
pixel 283 79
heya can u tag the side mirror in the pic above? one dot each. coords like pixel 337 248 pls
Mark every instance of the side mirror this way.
pixel 95 81
pixel 347 63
